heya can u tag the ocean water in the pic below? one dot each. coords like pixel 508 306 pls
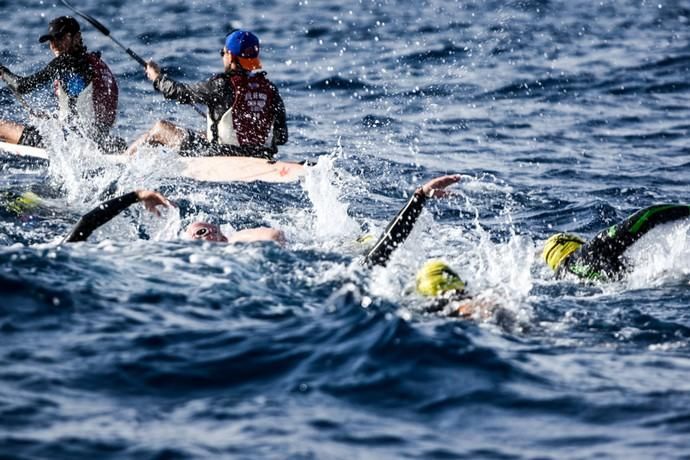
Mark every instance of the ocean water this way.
pixel 560 116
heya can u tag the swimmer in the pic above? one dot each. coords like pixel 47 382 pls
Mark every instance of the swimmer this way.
pixel 602 258
pixel 106 211
pixel 435 280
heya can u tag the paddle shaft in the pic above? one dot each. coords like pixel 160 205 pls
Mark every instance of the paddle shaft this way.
pixel 104 30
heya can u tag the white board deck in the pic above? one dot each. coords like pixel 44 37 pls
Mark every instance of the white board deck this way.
pixel 211 169
pixel 24 151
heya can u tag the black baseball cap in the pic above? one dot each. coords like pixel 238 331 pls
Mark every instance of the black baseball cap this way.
pixel 59 27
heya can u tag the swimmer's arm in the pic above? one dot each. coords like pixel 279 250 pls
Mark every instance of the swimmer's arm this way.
pixel 612 242
pixel 397 230
pixel 473 309
pixel 105 212
pixel 252 235
pixel 468 308
pixel 637 225
pixel 401 226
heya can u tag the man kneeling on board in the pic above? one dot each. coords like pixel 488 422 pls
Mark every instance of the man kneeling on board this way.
pixel 246 115
pixel 84 85
pixel 106 211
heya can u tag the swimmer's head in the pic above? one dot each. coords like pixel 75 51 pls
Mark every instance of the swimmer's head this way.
pixel 22 204
pixel 560 246
pixel 205 231
pixel 436 278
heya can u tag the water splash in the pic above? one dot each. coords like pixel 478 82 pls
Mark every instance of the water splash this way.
pixel 662 256
pixel 324 185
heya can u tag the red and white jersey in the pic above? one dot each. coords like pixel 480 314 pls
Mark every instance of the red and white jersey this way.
pixel 95 105
pixel 250 120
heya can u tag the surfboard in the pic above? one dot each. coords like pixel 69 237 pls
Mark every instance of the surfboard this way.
pixel 208 169
pixel 24 151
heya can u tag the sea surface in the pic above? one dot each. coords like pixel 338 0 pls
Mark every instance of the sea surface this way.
pixel 560 116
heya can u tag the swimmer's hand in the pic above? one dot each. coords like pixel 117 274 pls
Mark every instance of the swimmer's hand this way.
pixel 152 199
pixel 436 187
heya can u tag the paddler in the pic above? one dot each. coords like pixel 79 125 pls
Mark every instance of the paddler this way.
pixel 245 117
pixel 86 89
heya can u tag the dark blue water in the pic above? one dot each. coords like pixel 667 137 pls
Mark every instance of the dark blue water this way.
pixel 561 115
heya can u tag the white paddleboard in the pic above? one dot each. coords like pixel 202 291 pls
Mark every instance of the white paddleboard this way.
pixel 211 169
pixel 24 151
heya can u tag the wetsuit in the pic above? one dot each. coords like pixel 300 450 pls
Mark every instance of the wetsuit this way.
pixel 86 90
pixel 221 95
pixel 100 216
pixel 602 257
pixel 397 230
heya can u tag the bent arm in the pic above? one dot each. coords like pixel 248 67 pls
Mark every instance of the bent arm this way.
pixel 614 241
pixel 397 230
pixel 400 227
pixel 24 85
pixel 99 216
pixel 198 93
pixel 602 257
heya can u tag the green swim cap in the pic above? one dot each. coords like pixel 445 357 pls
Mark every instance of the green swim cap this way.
pixel 560 246
pixel 436 278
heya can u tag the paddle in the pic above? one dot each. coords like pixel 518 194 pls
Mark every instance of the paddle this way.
pixel 104 30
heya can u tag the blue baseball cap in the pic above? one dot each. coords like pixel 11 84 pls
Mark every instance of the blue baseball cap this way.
pixel 245 47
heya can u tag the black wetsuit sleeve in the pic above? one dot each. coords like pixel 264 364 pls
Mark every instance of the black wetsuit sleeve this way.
pixel 280 129
pixel 197 93
pixel 100 216
pixel 397 230
pixel 603 254
pixel 26 84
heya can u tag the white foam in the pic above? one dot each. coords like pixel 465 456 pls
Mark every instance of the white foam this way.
pixel 330 217
pixel 661 256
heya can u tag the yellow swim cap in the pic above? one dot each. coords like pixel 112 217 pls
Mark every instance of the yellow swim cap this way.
pixel 26 202
pixel 435 278
pixel 366 238
pixel 560 246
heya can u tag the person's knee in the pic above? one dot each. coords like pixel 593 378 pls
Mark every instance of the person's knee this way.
pixel 10 131
pixel 159 132
pixel 161 128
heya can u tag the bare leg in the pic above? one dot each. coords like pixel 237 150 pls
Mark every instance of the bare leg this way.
pixel 10 131
pixel 162 133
